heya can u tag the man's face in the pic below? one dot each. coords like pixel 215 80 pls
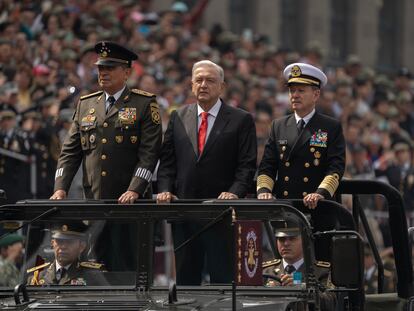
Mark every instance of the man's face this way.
pixel 112 78
pixel 290 248
pixel 303 98
pixel 67 251
pixel 207 85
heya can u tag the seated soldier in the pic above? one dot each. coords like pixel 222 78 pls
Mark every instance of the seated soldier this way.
pixel 371 273
pixel 69 241
pixel 289 246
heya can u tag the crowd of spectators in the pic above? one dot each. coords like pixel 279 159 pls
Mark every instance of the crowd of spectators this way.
pixel 47 61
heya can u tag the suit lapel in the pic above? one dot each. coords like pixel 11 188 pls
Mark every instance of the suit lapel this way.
pixel 120 103
pixel 190 124
pixel 304 137
pixel 220 123
pixel 100 108
pixel 291 134
pixel 50 274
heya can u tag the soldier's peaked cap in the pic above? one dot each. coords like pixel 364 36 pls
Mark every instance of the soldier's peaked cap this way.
pixel 113 54
pixel 69 230
pixel 301 73
pixel 285 228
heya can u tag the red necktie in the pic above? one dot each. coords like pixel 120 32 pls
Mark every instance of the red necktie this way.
pixel 202 132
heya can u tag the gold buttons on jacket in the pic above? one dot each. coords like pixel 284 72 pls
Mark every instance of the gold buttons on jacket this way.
pixel 312 149
pixel 104 140
pixel 103 173
pixel 287 164
pixel 307 164
pixel 305 179
pixel 284 148
pixel 103 157
pixel 285 193
pixel 105 124
pixel 304 194
pixel 286 178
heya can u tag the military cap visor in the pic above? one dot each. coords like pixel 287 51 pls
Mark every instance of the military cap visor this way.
pixel 301 73
pixel 112 54
pixel 287 232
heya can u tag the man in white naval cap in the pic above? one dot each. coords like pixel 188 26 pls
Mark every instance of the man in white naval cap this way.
pixel 304 157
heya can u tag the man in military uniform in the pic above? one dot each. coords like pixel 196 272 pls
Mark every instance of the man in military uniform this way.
pixel 68 243
pixel 116 132
pixel 289 246
pixel 305 154
pixel 11 256
pixel 371 274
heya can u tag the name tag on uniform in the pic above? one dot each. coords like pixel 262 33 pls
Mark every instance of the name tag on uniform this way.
pixel 127 115
pixel 319 139
pixel 282 142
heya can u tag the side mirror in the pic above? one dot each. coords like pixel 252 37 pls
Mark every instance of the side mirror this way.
pixel 347 261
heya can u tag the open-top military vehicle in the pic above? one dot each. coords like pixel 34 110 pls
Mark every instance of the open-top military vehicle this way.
pixel 328 233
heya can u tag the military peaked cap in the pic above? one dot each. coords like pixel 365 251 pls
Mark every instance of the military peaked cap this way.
pixel 112 54
pixel 301 73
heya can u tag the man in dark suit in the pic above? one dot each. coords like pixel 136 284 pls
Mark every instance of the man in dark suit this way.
pixel 209 151
pixel 116 133
pixel 305 154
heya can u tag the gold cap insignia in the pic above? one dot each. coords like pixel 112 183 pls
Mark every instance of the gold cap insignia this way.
pixel 64 228
pixel 295 71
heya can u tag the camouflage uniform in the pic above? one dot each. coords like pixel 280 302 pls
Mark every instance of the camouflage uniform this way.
pixel 10 275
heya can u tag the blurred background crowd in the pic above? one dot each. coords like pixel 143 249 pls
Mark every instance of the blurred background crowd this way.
pixel 47 62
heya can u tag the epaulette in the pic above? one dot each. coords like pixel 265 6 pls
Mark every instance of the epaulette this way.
pixel 38 267
pixel 271 263
pixel 91 265
pixel 323 264
pixel 141 92
pixel 91 95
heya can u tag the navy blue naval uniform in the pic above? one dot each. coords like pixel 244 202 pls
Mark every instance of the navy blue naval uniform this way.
pixel 296 164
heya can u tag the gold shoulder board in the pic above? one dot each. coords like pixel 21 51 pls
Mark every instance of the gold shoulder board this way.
pixel 324 264
pixel 91 265
pixel 271 263
pixel 91 95
pixel 141 92
pixel 38 267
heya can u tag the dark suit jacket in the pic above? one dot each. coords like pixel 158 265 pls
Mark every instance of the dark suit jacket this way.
pixel 228 162
pixel 301 162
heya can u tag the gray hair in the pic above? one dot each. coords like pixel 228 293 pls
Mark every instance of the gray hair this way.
pixel 209 63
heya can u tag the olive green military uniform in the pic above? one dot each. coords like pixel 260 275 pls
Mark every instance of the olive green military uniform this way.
pixel 275 268
pixel 119 149
pixel 322 274
pixel 80 273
